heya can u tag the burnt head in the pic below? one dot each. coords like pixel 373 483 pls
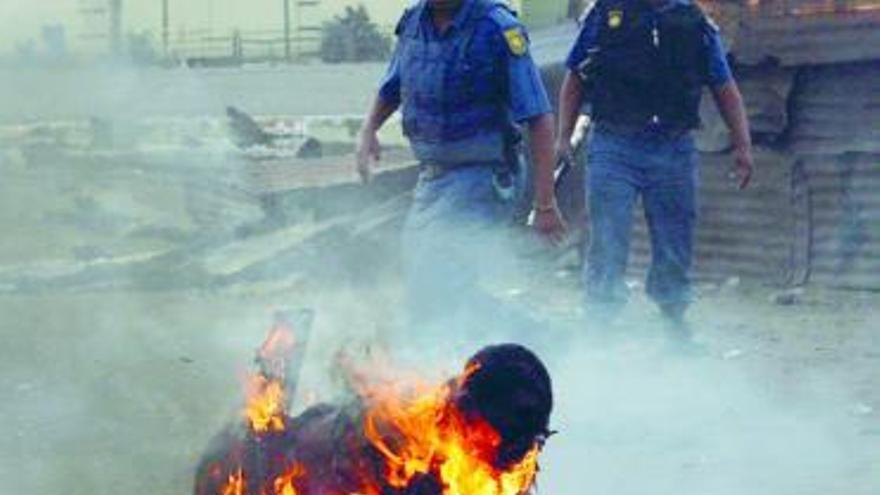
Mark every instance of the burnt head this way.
pixel 509 388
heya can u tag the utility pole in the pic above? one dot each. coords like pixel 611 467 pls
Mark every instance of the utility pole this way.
pixel 287 52
pixel 116 27
pixel 165 28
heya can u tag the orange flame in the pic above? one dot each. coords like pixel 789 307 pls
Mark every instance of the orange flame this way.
pixel 266 409
pixel 266 404
pixel 284 484
pixel 235 485
pixel 419 431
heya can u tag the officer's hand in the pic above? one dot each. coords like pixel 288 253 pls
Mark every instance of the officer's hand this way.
pixel 549 224
pixel 744 165
pixel 368 150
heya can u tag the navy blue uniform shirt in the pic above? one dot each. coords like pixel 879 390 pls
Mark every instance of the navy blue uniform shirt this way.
pixel 719 69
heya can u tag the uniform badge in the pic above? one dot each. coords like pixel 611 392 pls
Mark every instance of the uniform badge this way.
pixel 615 19
pixel 516 41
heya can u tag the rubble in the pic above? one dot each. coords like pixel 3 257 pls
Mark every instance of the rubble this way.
pixel 790 297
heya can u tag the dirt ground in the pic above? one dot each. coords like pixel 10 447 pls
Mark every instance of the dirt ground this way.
pixel 113 382
pixel 121 391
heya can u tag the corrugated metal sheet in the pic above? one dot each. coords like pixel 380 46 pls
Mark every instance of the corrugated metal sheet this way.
pixel 836 109
pixel 754 234
pixel 766 92
pixel 821 38
pixel 808 7
pixel 759 233
pixel 844 193
pixel 816 220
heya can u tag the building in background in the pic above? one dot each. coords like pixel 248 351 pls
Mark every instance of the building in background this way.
pixel 200 29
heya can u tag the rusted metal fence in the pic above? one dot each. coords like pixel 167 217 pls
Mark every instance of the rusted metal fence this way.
pixel 244 47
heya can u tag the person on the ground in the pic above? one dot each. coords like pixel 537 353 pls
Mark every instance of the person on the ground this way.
pixel 463 77
pixel 642 66
pixel 483 430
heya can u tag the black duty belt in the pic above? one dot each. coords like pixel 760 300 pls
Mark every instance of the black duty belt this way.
pixel 628 130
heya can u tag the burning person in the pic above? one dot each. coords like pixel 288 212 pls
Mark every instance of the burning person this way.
pixel 478 433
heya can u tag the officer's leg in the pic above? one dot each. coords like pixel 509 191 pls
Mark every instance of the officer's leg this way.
pixel 450 240
pixel 670 209
pixel 611 193
pixel 426 256
pixel 484 239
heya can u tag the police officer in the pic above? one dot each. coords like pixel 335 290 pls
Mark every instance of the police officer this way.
pixel 462 75
pixel 642 65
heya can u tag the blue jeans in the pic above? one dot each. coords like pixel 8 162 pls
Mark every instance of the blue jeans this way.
pixel 455 243
pixel 663 171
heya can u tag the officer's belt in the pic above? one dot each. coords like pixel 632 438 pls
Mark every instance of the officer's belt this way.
pixel 434 170
pixel 627 130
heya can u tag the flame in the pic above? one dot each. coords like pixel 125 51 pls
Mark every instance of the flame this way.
pixel 235 485
pixel 415 426
pixel 284 484
pixel 266 405
pixel 419 431
pixel 265 411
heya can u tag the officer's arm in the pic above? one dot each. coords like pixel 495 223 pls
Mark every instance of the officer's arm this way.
pixel 571 95
pixel 541 142
pixel 368 148
pixel 378 114
pixel 730 105
pixel 528 103
pixel 570 98
pixel 386 102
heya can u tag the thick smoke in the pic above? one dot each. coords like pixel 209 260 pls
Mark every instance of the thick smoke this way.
pixel 114 379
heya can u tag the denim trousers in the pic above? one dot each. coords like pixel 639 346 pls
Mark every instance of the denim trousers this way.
pixel 455 246
pixel 662 171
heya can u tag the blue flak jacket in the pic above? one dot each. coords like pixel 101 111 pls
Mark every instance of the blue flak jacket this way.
pixel 648 63
pixel 460 90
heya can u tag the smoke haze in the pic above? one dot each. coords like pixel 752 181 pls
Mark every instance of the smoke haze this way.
pixel 136 282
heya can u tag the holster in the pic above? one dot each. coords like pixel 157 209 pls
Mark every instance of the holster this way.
pixel 588 72
pixel 508 173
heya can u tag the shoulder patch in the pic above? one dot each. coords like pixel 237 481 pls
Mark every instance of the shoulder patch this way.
pixel 516 41
pixel 615 18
